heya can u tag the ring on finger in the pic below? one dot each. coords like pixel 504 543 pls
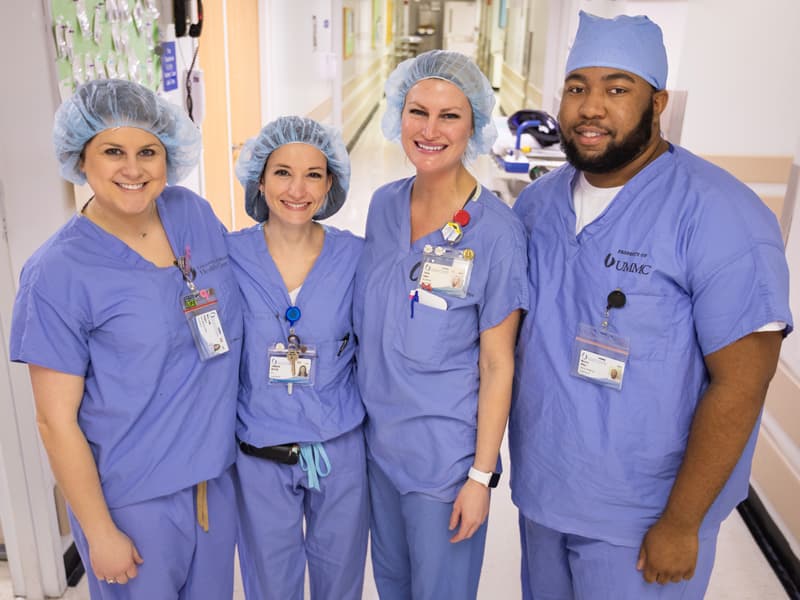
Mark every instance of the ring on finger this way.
pixel 111 580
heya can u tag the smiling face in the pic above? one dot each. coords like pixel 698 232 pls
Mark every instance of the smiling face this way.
pixel 126 168
pixel 609 123
pixel 295 182
pixel 436 125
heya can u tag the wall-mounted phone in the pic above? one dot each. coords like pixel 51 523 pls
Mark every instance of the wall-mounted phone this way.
pixel 188 17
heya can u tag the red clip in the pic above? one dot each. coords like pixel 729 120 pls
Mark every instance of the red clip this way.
pixel 461 217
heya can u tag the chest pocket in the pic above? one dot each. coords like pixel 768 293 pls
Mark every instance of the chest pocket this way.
pixel 645 320
pixel 419 339
pixel 334 361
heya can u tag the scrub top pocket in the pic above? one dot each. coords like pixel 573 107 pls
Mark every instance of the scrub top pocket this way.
pixel 334 360
pixel 419 339
pixel 645 320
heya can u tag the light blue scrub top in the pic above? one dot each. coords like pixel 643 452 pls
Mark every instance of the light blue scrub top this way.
pixel 157 419
pixel 700 260
pixel 419 376
pixel 268 415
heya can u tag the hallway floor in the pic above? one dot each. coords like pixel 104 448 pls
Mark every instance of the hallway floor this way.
pixel 740 573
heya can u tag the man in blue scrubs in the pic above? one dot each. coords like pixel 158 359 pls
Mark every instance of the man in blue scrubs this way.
pixel 659 302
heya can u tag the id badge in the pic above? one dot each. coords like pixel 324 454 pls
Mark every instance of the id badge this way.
pixel 600 356
pixel 202 315
pixel 446 270
pixel 291 364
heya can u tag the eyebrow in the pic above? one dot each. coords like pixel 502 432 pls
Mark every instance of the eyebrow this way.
pixel 441 110
pixel 609 77
pixel 283 166
pixel 122 146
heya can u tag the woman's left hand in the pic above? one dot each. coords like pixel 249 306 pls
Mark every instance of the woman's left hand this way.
pixel 471 508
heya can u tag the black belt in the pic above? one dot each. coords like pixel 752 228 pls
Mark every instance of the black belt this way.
pixel 287 454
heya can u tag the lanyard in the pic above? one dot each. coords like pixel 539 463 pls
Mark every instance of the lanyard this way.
pixel 184 264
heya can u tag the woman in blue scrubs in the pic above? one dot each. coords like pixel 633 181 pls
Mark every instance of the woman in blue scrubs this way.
pixel 439 291
pixel 299 417
pixel 129 319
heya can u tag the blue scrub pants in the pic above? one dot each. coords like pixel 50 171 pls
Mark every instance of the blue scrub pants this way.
pixel 273 500
pixel 562 566
pixel 412 556
pixel 181 561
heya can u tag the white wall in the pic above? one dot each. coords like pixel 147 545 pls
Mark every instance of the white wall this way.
pixel 297 80
pixel 740 69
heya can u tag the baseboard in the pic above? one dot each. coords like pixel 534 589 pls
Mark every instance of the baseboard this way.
pixel 772 543
pixel 361 128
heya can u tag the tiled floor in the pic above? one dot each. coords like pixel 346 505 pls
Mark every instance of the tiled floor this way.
pixel 740 573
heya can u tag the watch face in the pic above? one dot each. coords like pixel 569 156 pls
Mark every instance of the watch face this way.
pixel 495 479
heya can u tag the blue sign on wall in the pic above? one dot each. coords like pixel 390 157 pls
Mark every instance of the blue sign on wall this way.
pixel 169 66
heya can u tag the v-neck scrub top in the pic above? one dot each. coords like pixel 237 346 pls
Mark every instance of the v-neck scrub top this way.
pixel 419 376
pixel 701 263
pixel 157 419
pixel 268 415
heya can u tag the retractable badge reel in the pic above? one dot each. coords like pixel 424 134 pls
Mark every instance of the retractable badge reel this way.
pixel 201 309
pixel 598 355
pixel 446 269
pixel 291 363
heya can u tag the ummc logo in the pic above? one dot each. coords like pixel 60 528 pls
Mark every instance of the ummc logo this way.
pixel 626 265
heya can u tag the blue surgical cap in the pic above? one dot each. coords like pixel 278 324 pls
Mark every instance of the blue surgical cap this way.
pixel 293 130
pixel 458 70
pixel 633 44
pixel 108 103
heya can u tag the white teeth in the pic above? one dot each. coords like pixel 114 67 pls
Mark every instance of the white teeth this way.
pixel 430 148
pixel 131 186
pixel 591 134
pixel 295 204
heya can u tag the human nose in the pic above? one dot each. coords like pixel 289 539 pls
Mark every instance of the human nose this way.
pixel 132 167
pixel 592 104
pixel 297 187
pixel 431 129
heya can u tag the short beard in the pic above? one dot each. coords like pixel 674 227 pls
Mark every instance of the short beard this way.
pixel 618 154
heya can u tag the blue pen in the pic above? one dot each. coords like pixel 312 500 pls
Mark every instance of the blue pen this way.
pixel 414 298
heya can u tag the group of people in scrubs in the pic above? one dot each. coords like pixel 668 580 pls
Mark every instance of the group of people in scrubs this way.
pixel 293 389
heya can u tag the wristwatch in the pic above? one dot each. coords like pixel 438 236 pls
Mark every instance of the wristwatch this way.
pixel 488 479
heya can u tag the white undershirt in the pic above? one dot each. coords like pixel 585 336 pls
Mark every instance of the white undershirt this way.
pixel 590 202
pixel 293 294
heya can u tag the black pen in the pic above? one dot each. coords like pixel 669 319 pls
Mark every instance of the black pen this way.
pixel 345 339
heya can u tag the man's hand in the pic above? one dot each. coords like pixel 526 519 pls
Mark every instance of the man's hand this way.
pixel 668 552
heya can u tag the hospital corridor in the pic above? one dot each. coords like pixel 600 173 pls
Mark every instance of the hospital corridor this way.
pixel 235 65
